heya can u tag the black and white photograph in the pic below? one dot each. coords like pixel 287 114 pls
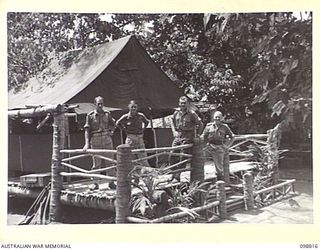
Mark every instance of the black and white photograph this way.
pixel 118 118
pixel 137 123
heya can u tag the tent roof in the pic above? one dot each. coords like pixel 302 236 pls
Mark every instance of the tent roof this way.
pixel 89 76
pixel 74 80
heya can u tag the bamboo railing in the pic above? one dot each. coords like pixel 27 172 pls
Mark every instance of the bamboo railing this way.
pixel 90 153
pixel 125 161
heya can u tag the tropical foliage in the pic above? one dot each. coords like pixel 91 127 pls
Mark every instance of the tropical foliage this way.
pixel 257 67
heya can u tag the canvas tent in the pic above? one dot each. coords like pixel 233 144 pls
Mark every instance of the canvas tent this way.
pixel 119 71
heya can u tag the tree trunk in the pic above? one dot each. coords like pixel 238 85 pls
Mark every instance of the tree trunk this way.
pixel 248 192
pixel 197 161
pixel 123 194
pixel 274 136
pixel 56 166
pixel 221 196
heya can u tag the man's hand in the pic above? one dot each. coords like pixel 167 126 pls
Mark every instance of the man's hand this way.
pixel 175 133
pixel 85 147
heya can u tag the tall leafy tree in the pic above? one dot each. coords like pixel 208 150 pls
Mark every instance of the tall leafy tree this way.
pixel 255 66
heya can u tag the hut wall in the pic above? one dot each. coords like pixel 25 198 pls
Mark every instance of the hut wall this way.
pixel 32 152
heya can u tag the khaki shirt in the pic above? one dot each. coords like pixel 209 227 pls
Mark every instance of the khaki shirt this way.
pixel 185 121
pixel 99 122
pixel 216 134
pixel 133 124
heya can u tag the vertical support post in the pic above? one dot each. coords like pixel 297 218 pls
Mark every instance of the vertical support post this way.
pixel 123 192
pixel 197 161
pixel 222 197
pixel 226 167
pixel 274 136
pixel 56 167
pixel 248 193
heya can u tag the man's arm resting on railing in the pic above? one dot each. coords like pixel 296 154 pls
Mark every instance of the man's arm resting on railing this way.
pixel 173 129
pixel 86 139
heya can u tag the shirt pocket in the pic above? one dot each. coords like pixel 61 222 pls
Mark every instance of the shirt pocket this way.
pixel 186 121
pixel 221 134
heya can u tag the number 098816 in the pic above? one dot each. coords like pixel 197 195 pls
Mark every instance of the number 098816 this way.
pixel 308 246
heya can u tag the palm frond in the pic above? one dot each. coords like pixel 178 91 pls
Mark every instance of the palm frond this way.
pixel 189 211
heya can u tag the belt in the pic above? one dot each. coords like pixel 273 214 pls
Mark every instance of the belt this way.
pixel 100 133
pixel 137 135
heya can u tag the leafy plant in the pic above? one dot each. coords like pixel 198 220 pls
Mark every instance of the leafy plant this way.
pixel 266 160
pixel 143 202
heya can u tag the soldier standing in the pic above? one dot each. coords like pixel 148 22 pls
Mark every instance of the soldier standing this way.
pixel 185 125
pixel 99 128
pixel 134 123
pixel 219 138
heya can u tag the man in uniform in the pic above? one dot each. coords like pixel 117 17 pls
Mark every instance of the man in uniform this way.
pixel 134 123
pixel 99 128
pixel 185 125
pixel 219 138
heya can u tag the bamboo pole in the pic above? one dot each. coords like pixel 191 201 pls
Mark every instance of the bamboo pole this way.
pixel 137 220
pixel 197 161
pixel 56 167
pixel 106 158
pixel 36 111
pixel 151 150
pixel 148 157
pixel 179 154
pixel 180 170
pixel 154 138
pixel 90 151
pixel 183 214
pixel 248 192
pixel 86 175
pixel 176 164
pixel 123 193
pixel 71 158
pixel 89 200
pixel 249 136
pixel 287 182
pixel 70 166
pixel 221 196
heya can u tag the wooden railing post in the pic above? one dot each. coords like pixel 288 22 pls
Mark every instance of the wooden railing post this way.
pixel 248 192
pixel 56 166
pixel 197 161
pixel 222 197
pixel 274 137
pixel 123 193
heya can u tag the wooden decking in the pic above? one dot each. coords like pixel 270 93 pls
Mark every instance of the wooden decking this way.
pixel 78 193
